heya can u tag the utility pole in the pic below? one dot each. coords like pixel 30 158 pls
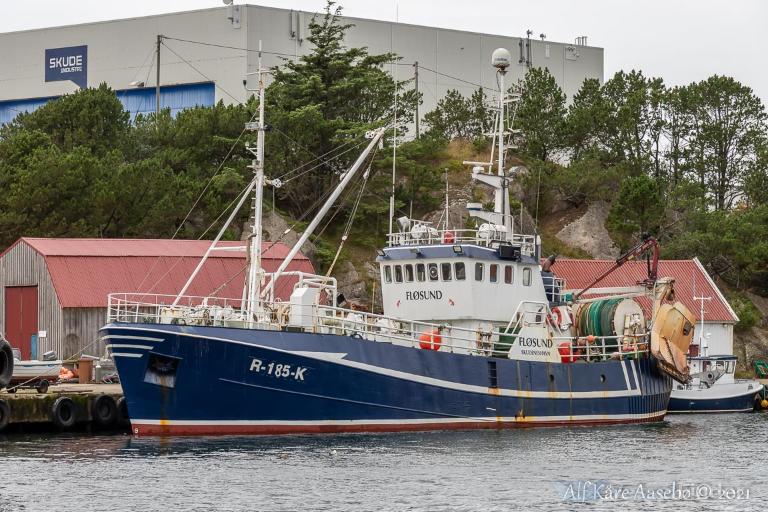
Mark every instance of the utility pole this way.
pixel 416 83
pixel 157 84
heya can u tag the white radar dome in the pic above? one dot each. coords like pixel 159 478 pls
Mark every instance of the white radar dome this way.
pixel 501 58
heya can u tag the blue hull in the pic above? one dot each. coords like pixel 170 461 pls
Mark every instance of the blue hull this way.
pixel 186 380
pixel 741 403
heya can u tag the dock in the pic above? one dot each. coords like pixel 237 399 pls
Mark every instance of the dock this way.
pixel 64 407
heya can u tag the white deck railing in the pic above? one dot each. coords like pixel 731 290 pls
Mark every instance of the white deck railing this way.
pixel 527 243
pixel 322 319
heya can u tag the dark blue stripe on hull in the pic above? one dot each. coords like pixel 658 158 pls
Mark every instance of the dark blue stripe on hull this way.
pixel 375 383
pixel 743 403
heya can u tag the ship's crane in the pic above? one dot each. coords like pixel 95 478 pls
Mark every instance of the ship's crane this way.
pixel 648 246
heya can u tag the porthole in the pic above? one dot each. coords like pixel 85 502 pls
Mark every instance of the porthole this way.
pixel 602 378
pixel 551 378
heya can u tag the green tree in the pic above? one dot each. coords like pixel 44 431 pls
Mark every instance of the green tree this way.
pixel 458 117
pixel 587 119
pixel 541 114
pixel 638 209
pixel 635 122
pixel 340 93
pixel 729 129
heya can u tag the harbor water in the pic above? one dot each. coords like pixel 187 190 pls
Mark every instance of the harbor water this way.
pixel 691 462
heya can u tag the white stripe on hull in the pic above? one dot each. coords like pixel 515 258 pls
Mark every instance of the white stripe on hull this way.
pixel 431 381
pixel 125 337
pixel 138 347
pixel 126 354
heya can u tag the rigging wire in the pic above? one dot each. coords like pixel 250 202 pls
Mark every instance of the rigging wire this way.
pixel 352 215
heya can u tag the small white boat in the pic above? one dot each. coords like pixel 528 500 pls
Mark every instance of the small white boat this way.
pixel 713 388
pixel 32 372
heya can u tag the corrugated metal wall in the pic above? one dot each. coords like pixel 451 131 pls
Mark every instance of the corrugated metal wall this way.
pixel 23 266
pixel 135 101
pixel 10 109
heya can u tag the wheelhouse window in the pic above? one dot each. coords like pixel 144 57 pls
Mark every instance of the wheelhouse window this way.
pixel 527 276
pixel 387 274
pixel 479 271
pixel 460 271
pixel 409 273
pixel 433 276
pixel 493 272
pixel 398 274
pixel 509 274
pixel 421 272
pixel 445 270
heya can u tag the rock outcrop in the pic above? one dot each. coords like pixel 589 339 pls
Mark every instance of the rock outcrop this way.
pixel 588 233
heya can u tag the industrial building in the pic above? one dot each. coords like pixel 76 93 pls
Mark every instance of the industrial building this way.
pixel 206 55
pixel 691 281
pixel 55 290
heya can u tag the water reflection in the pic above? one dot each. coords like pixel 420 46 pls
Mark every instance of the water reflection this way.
pixel 485 470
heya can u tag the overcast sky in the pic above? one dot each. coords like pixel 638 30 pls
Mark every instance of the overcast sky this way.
pixel 678 40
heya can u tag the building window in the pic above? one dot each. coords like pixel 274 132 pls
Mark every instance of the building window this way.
pixel 398 274
pixel 445 269
pixel 527 276
pixel 461 273
pixel 493 273
pixel 479 271
pixel 421 273
pixel 409 273
pixel 387 274
pixel 433 272
pixel 509 273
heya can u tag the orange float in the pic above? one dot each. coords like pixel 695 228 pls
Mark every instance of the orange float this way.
pixel 430 340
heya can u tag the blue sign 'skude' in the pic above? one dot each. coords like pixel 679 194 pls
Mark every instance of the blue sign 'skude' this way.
pixel 69 63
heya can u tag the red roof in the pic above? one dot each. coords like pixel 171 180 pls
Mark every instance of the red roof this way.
pixel 690 279
pixel 85 270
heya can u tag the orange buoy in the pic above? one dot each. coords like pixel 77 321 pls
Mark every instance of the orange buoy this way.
pixel 449 237
pixel 430 340
pixel 566 352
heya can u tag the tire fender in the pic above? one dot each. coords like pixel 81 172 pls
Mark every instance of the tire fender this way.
pixel 64 412
pixel 5 414
pixel 6 363
pixel 104 411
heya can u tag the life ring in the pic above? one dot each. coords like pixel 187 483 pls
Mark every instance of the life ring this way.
pixel 558 317
pixel 449 237
pixel 6 363
pixel 5 414
pixel 63 412
pixel 104 411
pixel 430 340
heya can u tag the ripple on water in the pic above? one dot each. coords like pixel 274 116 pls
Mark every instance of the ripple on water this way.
pixel 434 471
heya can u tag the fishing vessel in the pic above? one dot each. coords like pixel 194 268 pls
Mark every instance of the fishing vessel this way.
pixel 476 334
pixel 713 388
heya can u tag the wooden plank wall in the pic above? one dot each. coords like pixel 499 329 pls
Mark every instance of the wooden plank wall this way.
pixel 23 266
pixel 80 330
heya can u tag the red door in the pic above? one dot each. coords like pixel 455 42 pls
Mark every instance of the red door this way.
pixel 21 317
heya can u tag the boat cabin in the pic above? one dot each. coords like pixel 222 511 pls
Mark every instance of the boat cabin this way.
pixel 461 276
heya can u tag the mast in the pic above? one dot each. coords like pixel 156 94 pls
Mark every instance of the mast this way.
pixel 255 272
pixel 701 300
pixel 375 137
pixel 505 211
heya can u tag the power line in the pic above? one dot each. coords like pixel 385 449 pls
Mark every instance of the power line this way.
pixel 396 63
pixel 237 100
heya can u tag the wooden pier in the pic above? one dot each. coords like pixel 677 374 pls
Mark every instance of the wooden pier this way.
pixel 64 407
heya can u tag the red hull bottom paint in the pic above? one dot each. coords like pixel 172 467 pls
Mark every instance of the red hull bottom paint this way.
pixel 267 430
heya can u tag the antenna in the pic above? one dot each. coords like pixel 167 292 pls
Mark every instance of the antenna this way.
pixel 702 339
